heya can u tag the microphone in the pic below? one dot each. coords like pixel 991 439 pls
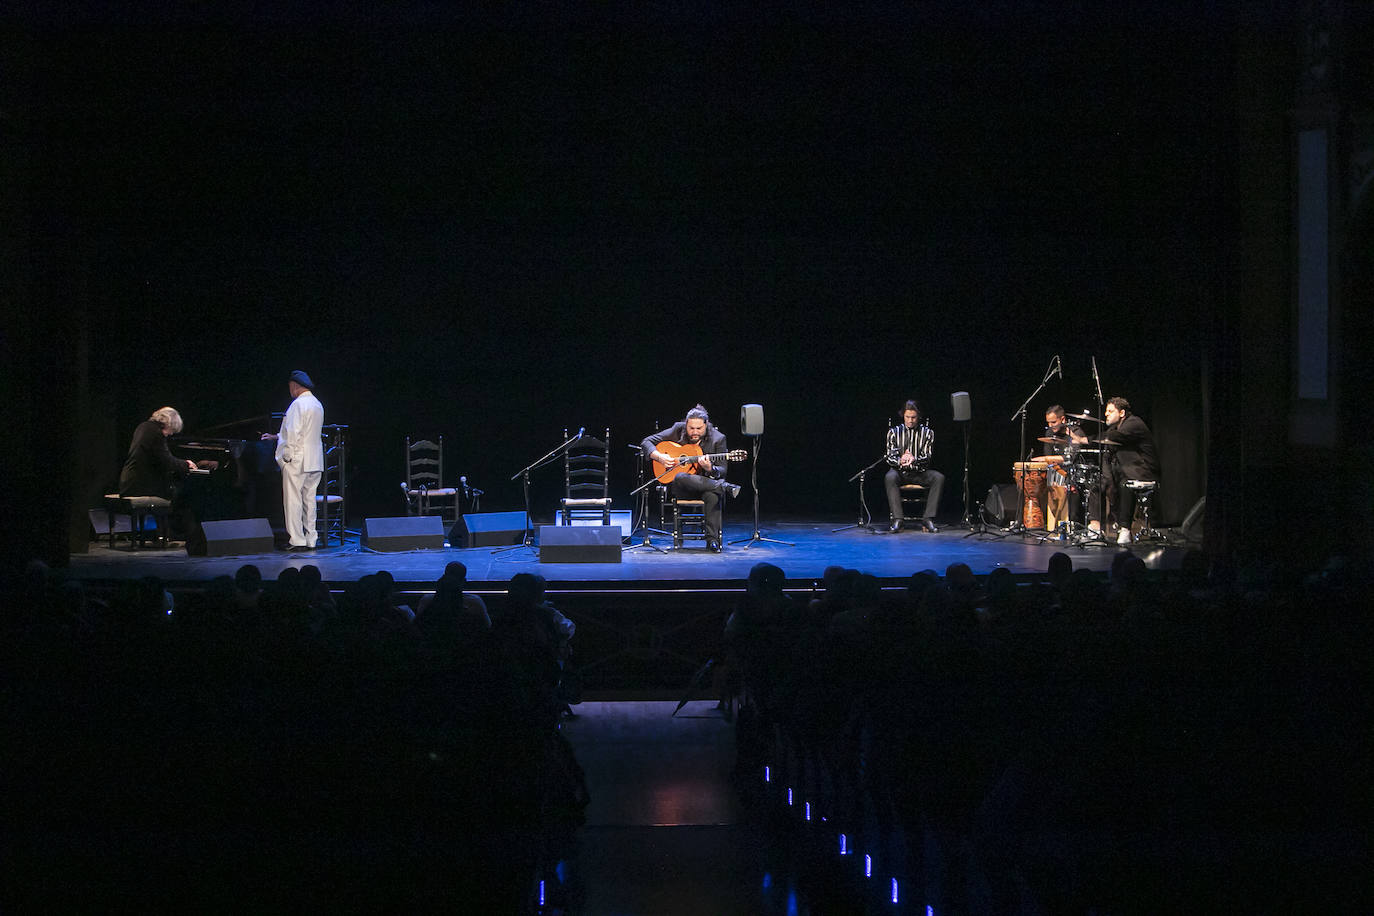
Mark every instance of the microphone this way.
pixel 1059 366
pixel 580 431
pixel 464 482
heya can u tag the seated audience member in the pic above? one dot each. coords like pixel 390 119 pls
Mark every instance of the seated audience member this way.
pixel 453 584
pixel 450 615
pixel 963 586
pixel 247 592
pixel 863 604
pixel 1059 570
pixel 1001 594
pixel 536 640
pixel 764 603
pixel 820 607
pixel 528 616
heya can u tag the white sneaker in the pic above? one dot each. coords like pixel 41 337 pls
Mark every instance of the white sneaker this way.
pixel 1123 537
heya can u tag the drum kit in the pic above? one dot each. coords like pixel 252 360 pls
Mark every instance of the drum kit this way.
pixel 1078 463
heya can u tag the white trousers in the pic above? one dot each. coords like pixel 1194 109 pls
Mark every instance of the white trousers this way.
pixel 298 499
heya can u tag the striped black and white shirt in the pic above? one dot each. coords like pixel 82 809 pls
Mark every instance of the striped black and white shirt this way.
pixel 918 441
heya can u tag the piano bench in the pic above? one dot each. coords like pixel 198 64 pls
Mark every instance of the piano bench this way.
pixel 138 508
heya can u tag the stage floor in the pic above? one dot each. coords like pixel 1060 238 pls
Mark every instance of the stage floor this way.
pixel 811 546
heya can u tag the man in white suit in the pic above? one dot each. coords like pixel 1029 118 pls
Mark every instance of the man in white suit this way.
pixel 300 455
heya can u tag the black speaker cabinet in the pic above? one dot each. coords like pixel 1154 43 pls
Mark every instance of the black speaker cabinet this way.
pixel 488 529
pixel 236 537
pixel 403 532
pixel 579 544
pixel 1000 506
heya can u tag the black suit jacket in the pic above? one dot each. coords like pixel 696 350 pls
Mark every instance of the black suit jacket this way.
pixel 1135 457
pixel 150 468
pixel 712 443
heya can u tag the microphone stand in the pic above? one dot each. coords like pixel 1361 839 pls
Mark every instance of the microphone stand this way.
pixel 865 517
pixel 524 473
pixel 643 493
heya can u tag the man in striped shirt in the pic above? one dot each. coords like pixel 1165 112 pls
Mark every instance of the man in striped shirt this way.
pixel 908 457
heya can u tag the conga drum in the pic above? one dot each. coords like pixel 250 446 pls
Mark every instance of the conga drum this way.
pixel 1030 477
pixel 1057 493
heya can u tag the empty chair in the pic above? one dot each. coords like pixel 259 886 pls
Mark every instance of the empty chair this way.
pixel 424 488
pixel 586 480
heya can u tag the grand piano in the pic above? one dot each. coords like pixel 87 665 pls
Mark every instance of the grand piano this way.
pixel 243 479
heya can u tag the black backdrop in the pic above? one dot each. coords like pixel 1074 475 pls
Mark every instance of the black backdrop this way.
pixel 492 229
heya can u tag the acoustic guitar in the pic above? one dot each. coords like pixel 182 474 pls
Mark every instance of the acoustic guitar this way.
pixel 684 458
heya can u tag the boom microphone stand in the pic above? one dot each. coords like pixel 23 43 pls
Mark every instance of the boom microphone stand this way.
pixel 1019 527
pixel 641 491
pixel 524 473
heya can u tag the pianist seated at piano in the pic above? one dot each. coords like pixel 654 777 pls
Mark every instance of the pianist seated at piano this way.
pixel 151 469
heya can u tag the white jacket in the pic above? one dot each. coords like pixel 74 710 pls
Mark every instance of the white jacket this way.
pixel 299 447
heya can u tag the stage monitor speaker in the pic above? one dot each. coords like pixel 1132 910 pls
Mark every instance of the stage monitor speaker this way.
pixel 403 532
pixel 999 508
pixel 619 517
pixel 599 544
pixel 751 419
pixel 236 537
pixel 488 529
pixel 961 405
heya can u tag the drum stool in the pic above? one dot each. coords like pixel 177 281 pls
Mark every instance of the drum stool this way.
pixel 1144 500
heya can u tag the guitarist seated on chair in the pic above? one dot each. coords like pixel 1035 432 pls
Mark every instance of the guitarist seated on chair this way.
pixel 908 456
pixel 692 462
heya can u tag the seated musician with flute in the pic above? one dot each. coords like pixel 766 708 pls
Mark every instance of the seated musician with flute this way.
pixel 695 476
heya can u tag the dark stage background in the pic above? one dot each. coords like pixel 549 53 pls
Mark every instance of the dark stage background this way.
pixel 495 228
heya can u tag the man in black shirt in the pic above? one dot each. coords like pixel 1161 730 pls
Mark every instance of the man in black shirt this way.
pixel 1133 457
pixel 151 469
pixel 701 479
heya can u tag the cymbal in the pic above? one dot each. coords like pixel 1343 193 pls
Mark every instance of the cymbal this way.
pixel 1084 416
pixel 1052 440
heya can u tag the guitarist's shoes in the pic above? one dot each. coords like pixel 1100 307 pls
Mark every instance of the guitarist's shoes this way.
pixel 731 488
